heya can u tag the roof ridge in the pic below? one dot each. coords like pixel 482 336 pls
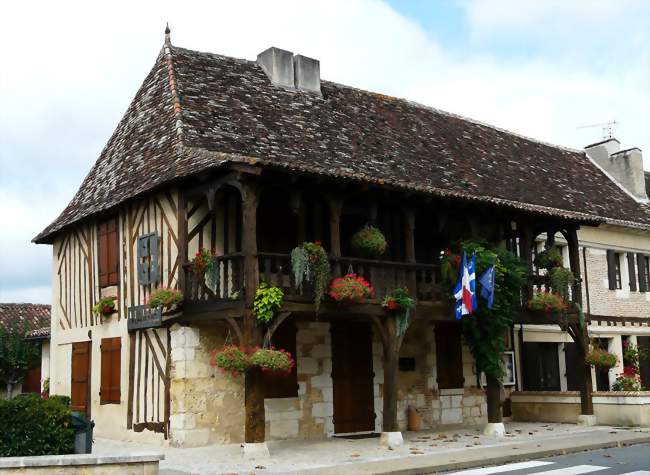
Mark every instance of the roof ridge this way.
pixel 173 86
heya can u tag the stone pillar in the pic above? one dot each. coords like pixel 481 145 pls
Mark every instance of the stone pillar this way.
pixel 615 345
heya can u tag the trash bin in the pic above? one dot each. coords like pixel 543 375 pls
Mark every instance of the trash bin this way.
pixel 83 433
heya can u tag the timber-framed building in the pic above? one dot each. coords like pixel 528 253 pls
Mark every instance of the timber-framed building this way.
pixel 251 158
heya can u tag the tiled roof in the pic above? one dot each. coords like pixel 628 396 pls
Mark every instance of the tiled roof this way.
pixel 25 316
pixel 39 334
pixel 199 110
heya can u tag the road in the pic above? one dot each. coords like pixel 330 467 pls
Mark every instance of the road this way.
pixel 632 460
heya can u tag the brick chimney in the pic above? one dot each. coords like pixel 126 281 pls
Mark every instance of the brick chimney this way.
pixel 624 167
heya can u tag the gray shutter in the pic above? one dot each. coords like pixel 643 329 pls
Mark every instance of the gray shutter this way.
pixel 643 284
pixel 154 252
pixel 631 271
pixel 143 259
pixel 611 269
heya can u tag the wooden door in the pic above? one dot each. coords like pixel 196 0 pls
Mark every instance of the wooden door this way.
pixel 80 377
pixel 449 355
pixel 32 380
pixel 352 374
pixel 574 371
pixel 644 364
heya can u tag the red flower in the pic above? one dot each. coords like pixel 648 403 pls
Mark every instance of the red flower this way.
pixel 392 305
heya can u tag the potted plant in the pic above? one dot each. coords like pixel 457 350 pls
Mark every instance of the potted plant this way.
pixel 205 266
pixel 230 359
pixel 168 299
pixel 104 307
pixel 268 300
pixel 350 288
pixel 310 264
pixel 545 301
pixel 449 264
pixel 549 258
pixel 629 380
pixel 369 242
pixel 399 303
pixel 601 359
pixel 273 361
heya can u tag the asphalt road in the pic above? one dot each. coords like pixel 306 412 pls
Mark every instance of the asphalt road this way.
pixel 632 460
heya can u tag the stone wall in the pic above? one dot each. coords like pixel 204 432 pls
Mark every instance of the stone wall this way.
pixel 207 406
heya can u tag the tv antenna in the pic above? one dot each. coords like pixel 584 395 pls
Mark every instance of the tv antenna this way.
pixel 606 127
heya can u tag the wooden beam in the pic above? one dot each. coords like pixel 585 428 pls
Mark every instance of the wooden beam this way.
pixel 336 208
pixel 181 221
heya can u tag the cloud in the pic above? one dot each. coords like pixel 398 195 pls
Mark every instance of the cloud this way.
pixel 538 68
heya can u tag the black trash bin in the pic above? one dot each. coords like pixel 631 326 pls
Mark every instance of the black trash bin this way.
pixel 83 433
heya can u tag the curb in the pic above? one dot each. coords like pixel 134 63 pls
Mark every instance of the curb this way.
pixel 519 457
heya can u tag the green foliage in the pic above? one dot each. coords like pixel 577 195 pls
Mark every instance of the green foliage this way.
pixel 549 258
pixel 16 356
pixel 165 298
pixel 484 329
pixel 272 360
pixel 561 280
pixel 268 300
pixel 369 242
pixel 631 382
pixel 309 263
pixel 104 307
pixel 230 359
pixel 601 359
pixel 633 355
pixel 400 303
pixel 547 302
pixel 449 263
pixel 35 426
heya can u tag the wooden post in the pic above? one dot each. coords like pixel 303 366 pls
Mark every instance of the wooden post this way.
pixel 493 400
pixel 182 239
pixel 391 356
pixel 298 208
pixel 254 385
pixel 336 207
pixel 409 239
pixel 580 334
pixel 526 253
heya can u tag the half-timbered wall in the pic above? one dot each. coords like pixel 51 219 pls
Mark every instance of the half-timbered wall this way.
pixel 217 229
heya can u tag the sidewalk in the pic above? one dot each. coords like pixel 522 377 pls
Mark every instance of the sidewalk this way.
pixel 423 452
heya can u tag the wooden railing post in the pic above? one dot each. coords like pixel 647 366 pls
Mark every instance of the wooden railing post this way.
pixel 336 207
pixel 254 385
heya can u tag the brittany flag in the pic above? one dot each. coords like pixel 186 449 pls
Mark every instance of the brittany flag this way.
pixel 465 290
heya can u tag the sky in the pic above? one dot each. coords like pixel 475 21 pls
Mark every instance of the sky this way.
pixel 68 70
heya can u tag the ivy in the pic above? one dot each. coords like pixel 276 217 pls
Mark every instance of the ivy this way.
pixel 485 328
pixel 268 300
pixel 309 263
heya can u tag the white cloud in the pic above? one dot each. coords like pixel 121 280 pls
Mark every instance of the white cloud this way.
pixel 69 70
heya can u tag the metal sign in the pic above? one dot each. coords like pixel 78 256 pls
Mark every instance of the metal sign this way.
pixel 142 316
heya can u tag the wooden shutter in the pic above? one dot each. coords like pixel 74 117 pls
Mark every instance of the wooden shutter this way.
pixel 80 377
pixel 643 280
pixel 631 271
pixel 109 392
pixel 611 269
pixel 449 355
pixel 108 252
pixel 277 386
pixel 574 374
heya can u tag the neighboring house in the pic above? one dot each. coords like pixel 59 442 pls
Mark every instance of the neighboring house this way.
pixel 251 158
pixel 33 320
pixel 615 264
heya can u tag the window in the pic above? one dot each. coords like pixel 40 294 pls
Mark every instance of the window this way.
pixel 449 356
pixel 109 392
pixel 108 252
pixel 541 366
pixel 278 386
pixel 631 271
pixel 614 270
pixel 646 272
pixel 643 263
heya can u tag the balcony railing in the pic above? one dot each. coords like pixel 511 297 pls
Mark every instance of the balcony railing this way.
pixel 229 285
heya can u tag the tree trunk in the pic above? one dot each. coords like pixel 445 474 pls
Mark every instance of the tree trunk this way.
pixel 493 399
pixel 10 387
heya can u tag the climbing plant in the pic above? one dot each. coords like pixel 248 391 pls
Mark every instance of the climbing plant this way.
pixel 484 329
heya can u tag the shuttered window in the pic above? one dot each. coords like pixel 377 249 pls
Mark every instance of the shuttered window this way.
pixel 278 386
pixel 631 270
pixel 614 270
pixel 643 264
pixel 109 392
pixel 108 252
pixel 449 355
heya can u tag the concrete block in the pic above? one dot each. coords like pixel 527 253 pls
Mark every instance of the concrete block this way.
pixel 391 440
pixel 322 409
pixel 494 429
pixel 185 420
pixel 192 337
pixel 256 451
pixel 284 429
pixel 321 351
pixel 328 394
pixel 451 416
pixel 307 365
pixel 190 437
pixel 322 381
pixel 587 420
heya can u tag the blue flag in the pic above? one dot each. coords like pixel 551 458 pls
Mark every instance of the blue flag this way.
pixel 487 285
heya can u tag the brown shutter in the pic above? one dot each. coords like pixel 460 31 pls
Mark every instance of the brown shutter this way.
pixel 611 269
pixel 110 374
pixel 643 283
pixel 108 252
pixel 631 272
pixel 449 355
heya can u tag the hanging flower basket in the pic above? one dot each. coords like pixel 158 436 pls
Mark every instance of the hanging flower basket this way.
pixel 549 302
pixel 104 307
pixel 309 264
pixel 230 359
pixel 273 361
pixel 369 242
pixel 549 258
pixel 601 359
pixel 399 303
pixel 350 288
pixel 168 299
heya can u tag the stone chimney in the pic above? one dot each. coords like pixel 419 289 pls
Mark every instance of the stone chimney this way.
pixel 624 167
pixel 286 70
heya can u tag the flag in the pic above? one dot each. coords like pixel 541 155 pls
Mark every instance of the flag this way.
pixel 465 290
pixel 487 285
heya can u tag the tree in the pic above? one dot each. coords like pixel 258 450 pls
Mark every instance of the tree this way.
pixel 17 355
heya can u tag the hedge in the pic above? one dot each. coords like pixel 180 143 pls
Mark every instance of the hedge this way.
pixel 35 426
